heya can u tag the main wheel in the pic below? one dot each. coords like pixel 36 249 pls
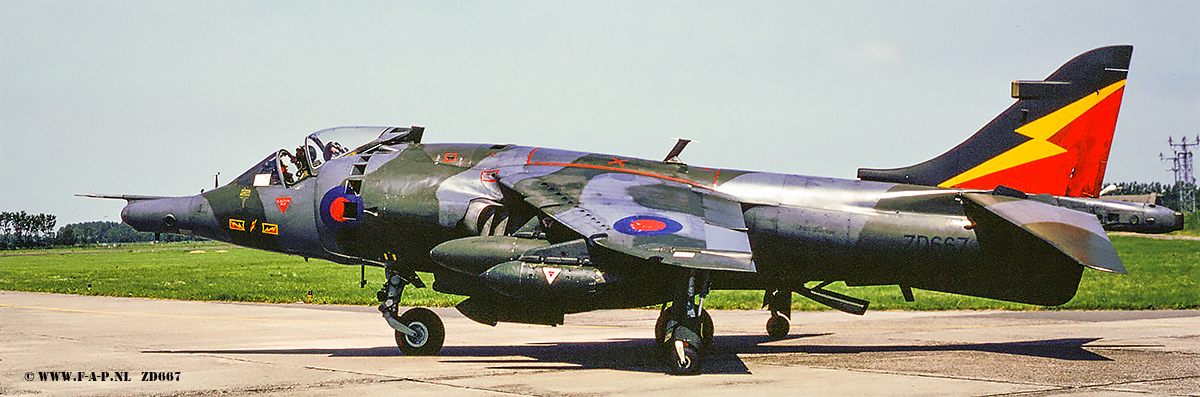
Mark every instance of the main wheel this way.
pixel 706 329
pixel 777 327
pixel 684 358
pixel 430 333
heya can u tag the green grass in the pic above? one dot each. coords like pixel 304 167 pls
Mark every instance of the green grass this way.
pixel 237 274
pixel 1163 274
pixel 1191 225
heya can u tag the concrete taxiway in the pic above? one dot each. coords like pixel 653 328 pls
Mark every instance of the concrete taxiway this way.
pixel 263 349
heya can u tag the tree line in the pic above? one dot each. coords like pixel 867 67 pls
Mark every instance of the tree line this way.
pixel 22 230
pixel 19 229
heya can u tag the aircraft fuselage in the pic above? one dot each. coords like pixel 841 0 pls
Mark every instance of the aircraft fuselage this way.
pixel 396 205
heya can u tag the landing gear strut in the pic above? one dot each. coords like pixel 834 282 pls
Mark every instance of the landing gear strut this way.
pixel 686 327
pixel 419 331
pixel 780 304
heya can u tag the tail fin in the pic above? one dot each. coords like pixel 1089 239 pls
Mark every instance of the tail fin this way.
pixel 1055 139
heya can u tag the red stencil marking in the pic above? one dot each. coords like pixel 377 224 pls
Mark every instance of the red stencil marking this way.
pixel 283 203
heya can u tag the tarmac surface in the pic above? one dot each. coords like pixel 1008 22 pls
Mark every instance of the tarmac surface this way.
pixel 217 348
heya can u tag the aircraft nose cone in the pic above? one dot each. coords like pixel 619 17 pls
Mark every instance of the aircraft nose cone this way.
pixel 147 216
pixel 180 215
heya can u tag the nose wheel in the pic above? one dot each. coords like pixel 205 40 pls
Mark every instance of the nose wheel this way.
pixel 419 331
pixel 427 336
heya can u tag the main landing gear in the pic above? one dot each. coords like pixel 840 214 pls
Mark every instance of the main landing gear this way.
pixel 419 331
pixel 684 330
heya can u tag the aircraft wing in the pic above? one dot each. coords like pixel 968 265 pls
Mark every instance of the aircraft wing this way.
pixel 645 216
pixel 1076 234
pixel 127 197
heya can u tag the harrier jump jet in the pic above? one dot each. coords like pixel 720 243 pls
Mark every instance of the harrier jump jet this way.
pixel 529 234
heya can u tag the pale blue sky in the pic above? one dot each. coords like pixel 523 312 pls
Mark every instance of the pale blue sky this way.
pixel 154 97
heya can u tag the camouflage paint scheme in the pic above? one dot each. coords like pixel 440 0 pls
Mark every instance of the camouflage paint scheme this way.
pixel 754 230
pixel 529 234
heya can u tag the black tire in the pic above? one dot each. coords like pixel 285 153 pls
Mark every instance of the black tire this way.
pixel 778 327
pixel 706 329
pixel 689 364
pixel 430 333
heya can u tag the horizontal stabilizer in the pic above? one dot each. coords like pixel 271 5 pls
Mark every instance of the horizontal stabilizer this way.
pixel 1076 234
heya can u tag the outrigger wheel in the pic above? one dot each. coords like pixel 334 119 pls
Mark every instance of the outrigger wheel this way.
pixel 780 303
pixel 429 333
pixel 778 327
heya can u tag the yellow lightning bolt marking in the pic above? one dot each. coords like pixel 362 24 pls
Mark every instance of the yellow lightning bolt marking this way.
pixel 1040 130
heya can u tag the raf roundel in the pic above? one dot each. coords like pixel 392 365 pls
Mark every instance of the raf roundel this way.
pixel 340 207
pixel 647 225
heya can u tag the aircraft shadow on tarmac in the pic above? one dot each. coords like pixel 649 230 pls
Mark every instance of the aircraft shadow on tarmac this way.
pixel 642 356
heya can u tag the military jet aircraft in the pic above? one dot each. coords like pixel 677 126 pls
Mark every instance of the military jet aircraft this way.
pixel 529 234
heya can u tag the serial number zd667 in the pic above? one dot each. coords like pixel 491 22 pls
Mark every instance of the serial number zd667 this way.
pixel 936 242
pixel 160 376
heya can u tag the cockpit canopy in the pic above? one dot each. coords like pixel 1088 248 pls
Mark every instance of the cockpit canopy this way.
pixel 287 168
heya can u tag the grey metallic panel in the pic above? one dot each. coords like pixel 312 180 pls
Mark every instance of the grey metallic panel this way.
pixel 291 210
pixel 830 193
pixel 755 188
pixel 723 212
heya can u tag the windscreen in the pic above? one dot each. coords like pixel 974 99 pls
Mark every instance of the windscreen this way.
pixel 325 145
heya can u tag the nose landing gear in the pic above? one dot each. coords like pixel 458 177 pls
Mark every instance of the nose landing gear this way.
pixel 419 331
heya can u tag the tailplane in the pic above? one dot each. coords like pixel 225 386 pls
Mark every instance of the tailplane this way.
pixel 1054 140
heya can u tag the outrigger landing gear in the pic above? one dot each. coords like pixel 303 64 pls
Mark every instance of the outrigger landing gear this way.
pixel 687 328
pixel 419 331
pixel 780 304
